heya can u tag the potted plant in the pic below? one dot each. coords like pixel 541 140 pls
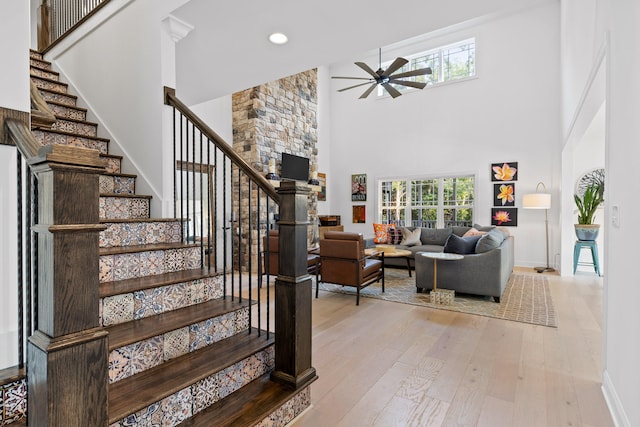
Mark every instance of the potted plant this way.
pixel 587 205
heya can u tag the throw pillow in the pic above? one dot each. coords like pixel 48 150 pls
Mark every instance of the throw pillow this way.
pixel 461 245
pixel 491 240
pixel 381 233
pixel 474 232
pixel 395 236
pixel 410 237
pixel 483 228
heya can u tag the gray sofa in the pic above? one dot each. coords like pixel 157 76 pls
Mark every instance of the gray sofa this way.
pixel 483 273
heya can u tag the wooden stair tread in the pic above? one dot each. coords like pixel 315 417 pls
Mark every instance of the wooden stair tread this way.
pixel 50 80
pixel 126 196
pixel 57 92
pixel 137 330
pixel 72 107
pixel 42 69
pixel 115 250
pixel 110 156
pixel 123 175
pixel 70 119
pixel 132 220
pixel 118 287
pixel 256 401
pixel 62 132
pixel 141 390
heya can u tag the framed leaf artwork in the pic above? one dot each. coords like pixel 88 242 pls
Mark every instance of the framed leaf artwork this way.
pixel 507 171
pixel 505 217
pixel 504 194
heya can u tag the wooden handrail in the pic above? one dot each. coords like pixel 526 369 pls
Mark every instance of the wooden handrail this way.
pixel 171 100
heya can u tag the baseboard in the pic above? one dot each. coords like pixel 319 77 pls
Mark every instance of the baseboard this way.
pixel 620 418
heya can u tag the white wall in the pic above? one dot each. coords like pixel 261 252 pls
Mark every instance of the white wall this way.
pixel 116 70
pixel 511 112
pixel 14 94
pixel 622 318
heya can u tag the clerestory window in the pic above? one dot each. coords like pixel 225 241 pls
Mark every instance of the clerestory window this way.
pixel 448 63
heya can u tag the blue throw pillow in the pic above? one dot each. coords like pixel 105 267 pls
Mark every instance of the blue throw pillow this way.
pixel 461 245
pixel 491 240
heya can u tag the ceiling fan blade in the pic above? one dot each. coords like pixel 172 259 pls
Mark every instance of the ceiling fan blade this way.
pixel 368 69
pixel 396 64
pixel 419 85
pixel 368 91
pixel 354 78
pixel 412 73
pixel 351 87
pixel 392 90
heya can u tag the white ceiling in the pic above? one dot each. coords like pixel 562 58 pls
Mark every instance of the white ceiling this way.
pixel 228 50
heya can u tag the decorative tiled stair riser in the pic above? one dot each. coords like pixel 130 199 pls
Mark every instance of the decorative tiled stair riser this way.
pixel 123 208
pixel 81 128
pixel 62 98
pixel 44 73
pixel 13 401
pixel 117 184
pixel 146 354
pixel 287 412
pixel 38 63
pixel 112 164
pixel 68 112
pixel 50 85
pixel 140 233
pixel 176 408
pixel 148 263
pixel 149 302
pixel 50 138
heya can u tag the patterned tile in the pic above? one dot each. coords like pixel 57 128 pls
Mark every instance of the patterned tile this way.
pixel 201 334
pixel 177 408
pixel 288 411
pixel 106 268
pixel 241 320
pixel 119 364
pixel 126 266
pixel 230 379
pixel 124 185
pixel 152 263
pixel 148 302
pixel 112 165
pixel 117 309
pixel 173 260
pixel 196 291
pixel 192 258
pixel 13 401
pixel 205 393
pixel 147 354
pixel 150 416
pixel 176 343
pixel 176 296
pixel 106 184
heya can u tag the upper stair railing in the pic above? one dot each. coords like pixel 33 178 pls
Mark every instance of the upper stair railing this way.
pixel 57 18
pixel 239 212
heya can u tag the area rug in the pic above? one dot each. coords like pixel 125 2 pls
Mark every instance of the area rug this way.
pixel 526 298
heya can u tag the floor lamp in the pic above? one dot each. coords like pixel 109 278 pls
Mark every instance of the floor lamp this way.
pixel 540 200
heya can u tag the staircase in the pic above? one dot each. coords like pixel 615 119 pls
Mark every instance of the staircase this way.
pixel 180 353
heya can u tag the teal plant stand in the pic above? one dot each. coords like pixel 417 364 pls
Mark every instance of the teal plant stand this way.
pixel 591 244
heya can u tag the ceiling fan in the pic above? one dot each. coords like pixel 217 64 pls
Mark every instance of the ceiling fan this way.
pixel 386 78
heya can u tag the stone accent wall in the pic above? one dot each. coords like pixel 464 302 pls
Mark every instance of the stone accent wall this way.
pixel 271 119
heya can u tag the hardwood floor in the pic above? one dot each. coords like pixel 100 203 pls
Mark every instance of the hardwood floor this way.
pixel 389 364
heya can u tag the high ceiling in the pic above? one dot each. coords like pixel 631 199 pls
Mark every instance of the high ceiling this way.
pixel 228 50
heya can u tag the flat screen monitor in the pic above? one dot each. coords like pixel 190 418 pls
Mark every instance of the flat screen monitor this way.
pixel 295 167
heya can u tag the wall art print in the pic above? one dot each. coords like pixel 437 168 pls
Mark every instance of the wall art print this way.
pixel 322 194
pixel 359 214
pixel 504 194
pixel 505 217
pixel 507 171
pixel 359 187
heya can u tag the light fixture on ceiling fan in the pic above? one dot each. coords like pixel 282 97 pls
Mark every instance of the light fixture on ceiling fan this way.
pixel 386 78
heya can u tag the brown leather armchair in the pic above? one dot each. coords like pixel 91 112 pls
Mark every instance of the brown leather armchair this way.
pixel 345 263
pixel 272 253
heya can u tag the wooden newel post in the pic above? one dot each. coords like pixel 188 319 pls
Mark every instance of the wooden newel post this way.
pixel 293 291
pixel 68 353
pixel 44 26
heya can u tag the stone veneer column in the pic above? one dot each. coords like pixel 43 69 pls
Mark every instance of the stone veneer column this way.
pixel 270 119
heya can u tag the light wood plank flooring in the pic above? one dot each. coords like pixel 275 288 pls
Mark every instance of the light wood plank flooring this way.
pixel 390 364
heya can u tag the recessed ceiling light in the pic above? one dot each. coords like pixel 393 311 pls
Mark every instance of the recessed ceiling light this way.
pixel 278 38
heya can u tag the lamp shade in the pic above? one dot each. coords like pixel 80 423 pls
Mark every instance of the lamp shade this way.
pixel 536 201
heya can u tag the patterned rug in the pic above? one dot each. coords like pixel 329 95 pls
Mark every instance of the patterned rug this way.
pixel 526 298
